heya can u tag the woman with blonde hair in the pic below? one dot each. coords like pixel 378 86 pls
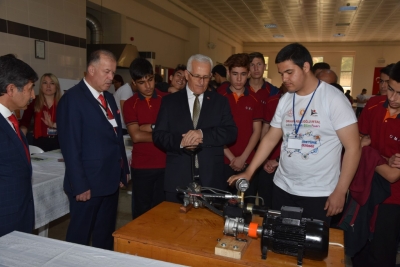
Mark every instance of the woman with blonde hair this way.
pixel 43 109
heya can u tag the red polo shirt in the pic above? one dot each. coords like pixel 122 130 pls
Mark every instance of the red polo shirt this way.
pixel 141 110
pixel 266 91
pixel 245 110
pixel 223 86
pixel 271 105
pixel 384 133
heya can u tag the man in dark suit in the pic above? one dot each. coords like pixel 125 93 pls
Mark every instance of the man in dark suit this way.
pixel 90 135
pixel 16 201
pixel 194 116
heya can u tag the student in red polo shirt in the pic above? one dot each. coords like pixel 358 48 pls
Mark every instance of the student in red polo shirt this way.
pixel 380 123
pixel 247 114
pixel 263 90
pixel 256 82
pixel 148 161
pixel 265 185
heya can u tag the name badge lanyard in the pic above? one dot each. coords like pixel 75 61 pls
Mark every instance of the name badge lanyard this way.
pixel 106 109
pixel 296 129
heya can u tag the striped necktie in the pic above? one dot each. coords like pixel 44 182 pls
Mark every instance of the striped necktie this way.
pixel 196 111
pixel 196 115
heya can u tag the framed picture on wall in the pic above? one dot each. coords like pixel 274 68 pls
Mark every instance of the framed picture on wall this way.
pixel 39 49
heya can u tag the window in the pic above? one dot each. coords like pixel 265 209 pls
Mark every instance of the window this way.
pixel 317 59
pixel 265 75
pixel 346 73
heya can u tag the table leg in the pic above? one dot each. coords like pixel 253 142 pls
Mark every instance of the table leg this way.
pixel 44 230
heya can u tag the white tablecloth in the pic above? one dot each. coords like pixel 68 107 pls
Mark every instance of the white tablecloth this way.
pixel 21 249
pixel 49 197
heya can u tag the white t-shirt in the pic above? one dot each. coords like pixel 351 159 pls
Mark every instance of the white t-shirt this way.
pixel 123 93
pixel 314 169
pixel 362 98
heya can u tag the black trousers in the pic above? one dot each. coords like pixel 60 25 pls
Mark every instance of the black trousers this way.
pixel 382 249
pixel 174 197
pixel 47 144
pixel 95 218
pixel 358 111
pixel 147 190
pixel 313 207
pixel 262 184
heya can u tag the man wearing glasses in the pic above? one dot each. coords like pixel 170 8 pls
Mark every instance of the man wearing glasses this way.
pixel 380 123
pixel 194 118
pixel 384 79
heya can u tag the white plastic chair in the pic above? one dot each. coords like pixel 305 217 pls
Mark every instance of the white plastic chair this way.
pixel 35 150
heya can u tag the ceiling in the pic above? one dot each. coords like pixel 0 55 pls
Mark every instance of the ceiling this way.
pixel 302 20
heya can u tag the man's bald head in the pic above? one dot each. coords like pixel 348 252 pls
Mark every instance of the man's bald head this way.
pixel 328 76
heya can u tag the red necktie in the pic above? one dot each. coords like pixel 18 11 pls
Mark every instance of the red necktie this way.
pixel 14 121
pixel 110 116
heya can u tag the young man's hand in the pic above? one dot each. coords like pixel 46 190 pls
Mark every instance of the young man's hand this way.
pixel 365 140
pixel 238 164
pixel 394 161
pixel 271 165
pixel 334 204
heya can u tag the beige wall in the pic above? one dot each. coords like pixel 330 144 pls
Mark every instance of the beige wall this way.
pixel 171 30
pixel 169 49
pixel 63 16
pixel 366 57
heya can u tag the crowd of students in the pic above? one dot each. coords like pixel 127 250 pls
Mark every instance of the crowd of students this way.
pixel 298 145
pixel 307 142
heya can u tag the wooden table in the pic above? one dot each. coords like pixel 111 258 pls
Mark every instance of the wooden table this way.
pixel 189 239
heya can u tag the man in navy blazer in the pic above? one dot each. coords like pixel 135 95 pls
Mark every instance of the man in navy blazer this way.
pixel 16 200
pixel 175 130
pixel 90 136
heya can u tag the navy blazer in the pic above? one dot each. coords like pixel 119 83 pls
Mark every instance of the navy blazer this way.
pixel 16 200
pixel 218 127
pixel 93 152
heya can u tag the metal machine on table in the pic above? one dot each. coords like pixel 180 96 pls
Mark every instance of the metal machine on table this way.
pixel 284 231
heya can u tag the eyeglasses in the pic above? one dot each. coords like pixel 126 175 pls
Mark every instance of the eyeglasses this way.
pixel 380 81
pixel 199 78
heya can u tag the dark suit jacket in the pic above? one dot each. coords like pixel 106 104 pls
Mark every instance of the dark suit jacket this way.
pixel 218 127
pixel 16 200
pixel 94 154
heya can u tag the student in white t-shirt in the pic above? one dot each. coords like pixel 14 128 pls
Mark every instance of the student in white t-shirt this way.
pixel 362 99
pixel 124 93
pixel 315 120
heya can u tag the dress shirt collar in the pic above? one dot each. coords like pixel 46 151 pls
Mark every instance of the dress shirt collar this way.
pixel 192 98
pixel 191 95
pixel 92 90
pixel 5 111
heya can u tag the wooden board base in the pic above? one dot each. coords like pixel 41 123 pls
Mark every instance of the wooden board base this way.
pixel 229 247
